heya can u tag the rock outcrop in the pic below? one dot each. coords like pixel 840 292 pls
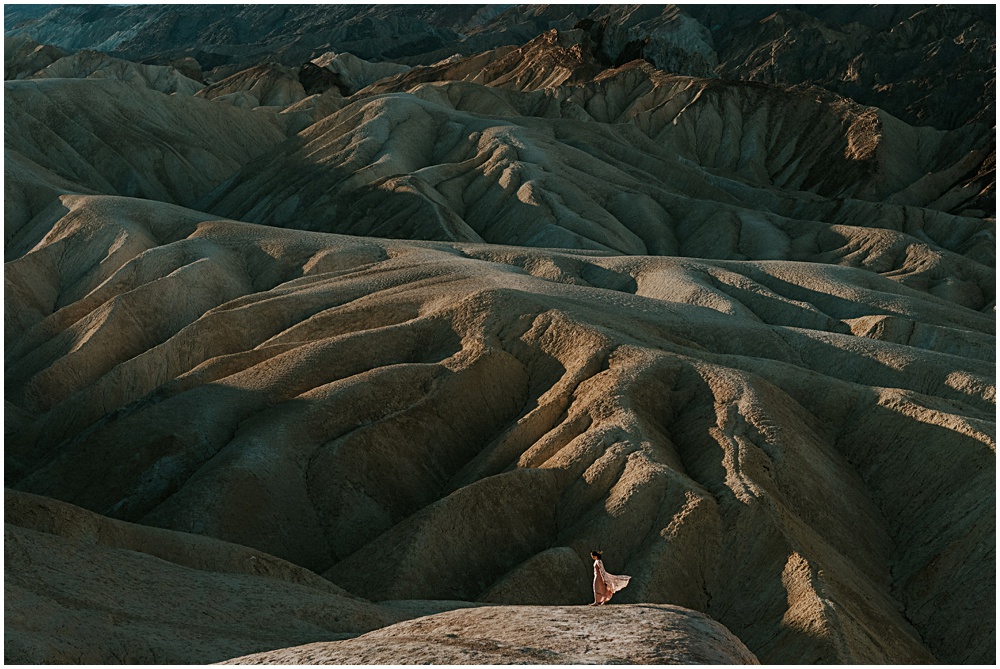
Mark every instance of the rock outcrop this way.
pixel 904 59
pixel 635 634
pixel 248 34
pixel 148 595
pixel 551 59
pixel 666 36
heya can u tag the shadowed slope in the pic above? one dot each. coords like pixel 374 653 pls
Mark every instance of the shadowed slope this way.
pixel 903 58
pixel 247 34
pixel 123 593
pixel 120 139
pixel 719 423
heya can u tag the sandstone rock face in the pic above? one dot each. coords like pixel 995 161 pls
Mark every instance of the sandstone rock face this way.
pixel 636 634
pixel 549 60
pixel 431 343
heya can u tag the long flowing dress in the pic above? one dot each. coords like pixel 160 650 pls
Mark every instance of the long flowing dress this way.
pixel 606 584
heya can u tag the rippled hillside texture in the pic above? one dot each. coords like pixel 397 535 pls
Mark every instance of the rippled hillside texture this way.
pixel 323 318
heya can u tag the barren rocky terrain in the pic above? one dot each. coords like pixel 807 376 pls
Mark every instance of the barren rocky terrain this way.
pixel 640 634
pixel 348 345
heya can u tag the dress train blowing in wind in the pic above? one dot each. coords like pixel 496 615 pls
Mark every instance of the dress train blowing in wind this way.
pixel 605 584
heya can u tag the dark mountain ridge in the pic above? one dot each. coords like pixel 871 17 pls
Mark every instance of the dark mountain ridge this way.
pixel 927 65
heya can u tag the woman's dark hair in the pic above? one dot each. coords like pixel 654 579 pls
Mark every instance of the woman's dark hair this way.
pixel 596 554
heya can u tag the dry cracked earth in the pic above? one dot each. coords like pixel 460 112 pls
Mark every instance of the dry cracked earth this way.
pixel 343 334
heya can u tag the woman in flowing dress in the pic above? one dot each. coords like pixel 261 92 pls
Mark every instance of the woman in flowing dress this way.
pixel 605 584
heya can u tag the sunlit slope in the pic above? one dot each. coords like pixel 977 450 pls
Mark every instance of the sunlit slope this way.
pixel 121 593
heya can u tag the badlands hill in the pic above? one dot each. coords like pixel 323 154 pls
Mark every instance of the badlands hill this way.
pixel 344 344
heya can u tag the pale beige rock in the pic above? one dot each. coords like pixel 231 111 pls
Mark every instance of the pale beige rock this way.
pixel 635 634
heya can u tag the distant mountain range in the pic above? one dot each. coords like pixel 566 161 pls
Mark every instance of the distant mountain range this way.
pixel 927 65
